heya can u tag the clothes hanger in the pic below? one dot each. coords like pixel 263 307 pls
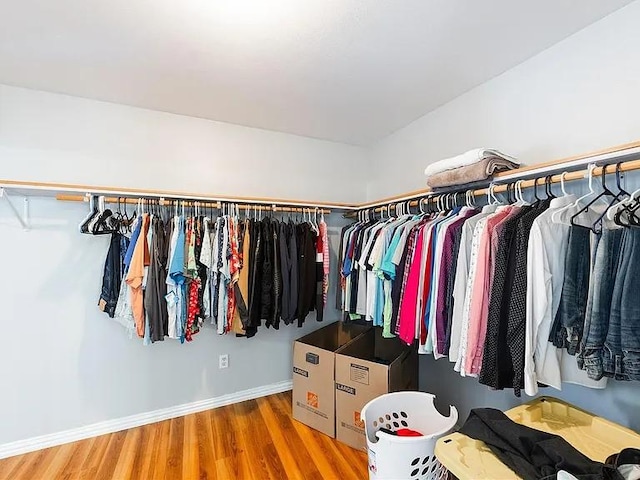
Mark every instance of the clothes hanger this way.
pixel 562 186
pixel 103 226
pixel 563 214
pixel 535 193
pixel 471 198
pixel 119 216
pixel 615 198
pixel 93 210
pixel 421 206
pixel 315 220
pixel 548 189
pixel 492 189
pixel 519 195
pixel 510 193
pixel 624 208
pixel 596 226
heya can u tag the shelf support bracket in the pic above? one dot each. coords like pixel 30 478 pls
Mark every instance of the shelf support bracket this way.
pixel 24 218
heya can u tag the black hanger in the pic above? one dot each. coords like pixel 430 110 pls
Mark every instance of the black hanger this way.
pixel 106 223
pixel 548 189
pixel 596 227
pixel 535 193
pixel 629 209
pixel 511 188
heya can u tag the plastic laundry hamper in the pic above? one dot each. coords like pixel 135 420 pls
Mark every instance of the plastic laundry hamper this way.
pixel 392 457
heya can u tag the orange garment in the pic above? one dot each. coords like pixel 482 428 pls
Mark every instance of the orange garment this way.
pixel 135 276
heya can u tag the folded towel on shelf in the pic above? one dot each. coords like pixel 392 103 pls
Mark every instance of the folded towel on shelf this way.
pixel 468 158
pixel 478 171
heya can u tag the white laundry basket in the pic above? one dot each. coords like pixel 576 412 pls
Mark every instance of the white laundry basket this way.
pixel 392 457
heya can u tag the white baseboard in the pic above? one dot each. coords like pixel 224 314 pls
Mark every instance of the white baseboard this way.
pixel 110 426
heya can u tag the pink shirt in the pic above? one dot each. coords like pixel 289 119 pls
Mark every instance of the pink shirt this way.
pixel 480 295
pixel 407 314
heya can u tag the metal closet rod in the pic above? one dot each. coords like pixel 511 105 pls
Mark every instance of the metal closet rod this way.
pixel 192 203
pixel 568 176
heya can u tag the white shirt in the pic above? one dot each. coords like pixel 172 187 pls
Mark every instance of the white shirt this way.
pixel 466 310
pixel 364 279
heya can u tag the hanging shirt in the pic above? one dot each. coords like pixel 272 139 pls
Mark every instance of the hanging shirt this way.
pixel 479 304
pixel 224 276
pixel 135 275
pixel 407 318
pixel 174 280
pixel 473 263
pixel 449 232
pixel 124 311
pixel 242 286
pixel 324 234
pixel 206 259
pixel 147 323
pixel 436 246
pixel 460 282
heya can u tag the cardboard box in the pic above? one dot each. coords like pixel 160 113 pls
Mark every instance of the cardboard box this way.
pixel 366 369
pixel 314 374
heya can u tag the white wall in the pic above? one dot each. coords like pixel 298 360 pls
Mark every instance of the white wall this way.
pixel 58 138
pixel 577 96
pixel 63 363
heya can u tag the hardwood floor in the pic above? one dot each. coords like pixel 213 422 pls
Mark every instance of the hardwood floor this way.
pixel 257 439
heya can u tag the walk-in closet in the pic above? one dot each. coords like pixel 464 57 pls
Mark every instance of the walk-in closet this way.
pixel 378 240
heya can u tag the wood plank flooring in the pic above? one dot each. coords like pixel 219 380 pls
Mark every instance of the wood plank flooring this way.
pixel 257 439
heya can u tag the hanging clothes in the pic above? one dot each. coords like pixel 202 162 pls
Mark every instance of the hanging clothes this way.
pixel 114 270
pixel 171 275
pixel 509 295
pixel 156 286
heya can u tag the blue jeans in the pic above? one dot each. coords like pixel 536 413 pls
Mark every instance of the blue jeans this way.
pixel 596 325
pixel 621 354
pixel 569 321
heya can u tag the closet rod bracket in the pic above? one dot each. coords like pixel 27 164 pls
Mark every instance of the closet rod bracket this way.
pixel 24 218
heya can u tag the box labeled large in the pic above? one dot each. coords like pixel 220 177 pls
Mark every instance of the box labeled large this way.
pixel 366 369
pixel 314 374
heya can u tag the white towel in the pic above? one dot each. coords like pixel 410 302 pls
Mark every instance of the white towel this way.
pixel 465 159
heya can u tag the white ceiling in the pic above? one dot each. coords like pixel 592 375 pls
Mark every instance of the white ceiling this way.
pixel 345 70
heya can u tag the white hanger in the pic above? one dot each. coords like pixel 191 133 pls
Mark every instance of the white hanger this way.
pixel 562 187
pixel 521 202
pixel 496 201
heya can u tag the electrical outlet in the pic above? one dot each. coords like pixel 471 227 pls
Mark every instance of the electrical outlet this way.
pixel 223 361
